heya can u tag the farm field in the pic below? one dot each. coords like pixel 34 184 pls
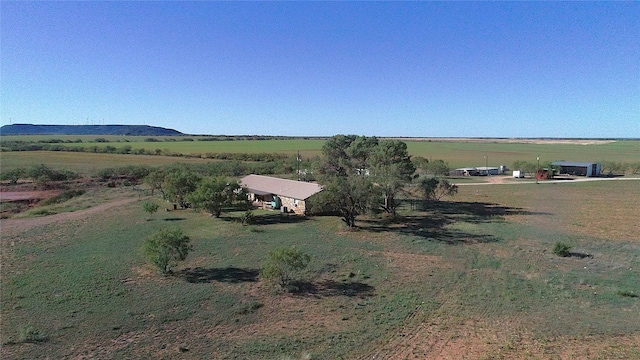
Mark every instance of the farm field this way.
pixel 456 153
pixel 472 278
pixel 88 164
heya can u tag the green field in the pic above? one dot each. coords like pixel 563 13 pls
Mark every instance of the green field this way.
pixel 456 153
pixel 88 164
pixel 476 273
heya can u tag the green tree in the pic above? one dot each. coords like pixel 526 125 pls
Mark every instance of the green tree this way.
pixel 433 188
pixel 350 196
pixel 348 186
pixel 525 166
pixel 561 249
pixel 437 168
pixel 213 194
pixel 150 207
pixel 14 175
pixel 392 170
pixel 155 180
pixel 179 182
pixel 166 247
pixel 283 265
pixel 42 174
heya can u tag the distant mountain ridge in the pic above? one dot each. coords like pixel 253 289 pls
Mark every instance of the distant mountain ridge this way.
pixel 132 130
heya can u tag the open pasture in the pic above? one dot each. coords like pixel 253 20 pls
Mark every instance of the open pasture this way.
pixel 88 164
pixel 470 278
pixel 456 153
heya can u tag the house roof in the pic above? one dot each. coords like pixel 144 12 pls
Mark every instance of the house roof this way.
pixel 572 163
pixel 290 188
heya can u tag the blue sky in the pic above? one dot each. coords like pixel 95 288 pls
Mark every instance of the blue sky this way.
pixel 424 69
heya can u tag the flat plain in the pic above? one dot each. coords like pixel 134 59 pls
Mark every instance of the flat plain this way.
pixel 473 276
pixel 457 152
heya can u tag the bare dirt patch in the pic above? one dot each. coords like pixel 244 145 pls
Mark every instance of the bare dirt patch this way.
pixel 28 195
pixel 13 227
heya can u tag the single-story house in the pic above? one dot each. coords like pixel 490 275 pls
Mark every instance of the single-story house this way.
pixel 587 169
pixel 274 193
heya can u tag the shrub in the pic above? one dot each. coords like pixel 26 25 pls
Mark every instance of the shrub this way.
pixel 283 264
pixel 28 334
pixel 626 293
pixel 62 197
pixel 247 218
pixel 166 247
pixel 150 207
pixel 561 249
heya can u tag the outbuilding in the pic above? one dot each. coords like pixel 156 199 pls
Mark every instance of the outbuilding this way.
pixel 488 170
pixel 469 171
pixel 587 169
pixel 281 194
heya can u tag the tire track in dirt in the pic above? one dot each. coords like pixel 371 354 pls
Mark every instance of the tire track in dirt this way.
pixel 13 227
pixel 421 337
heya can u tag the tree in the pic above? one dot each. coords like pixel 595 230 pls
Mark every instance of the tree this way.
pixel 13 175
pixel 166 247
pixel 361 173
pixel 437 168
pixel 42 174
pixel 392 170
pixel 348 188
pixel 350 196
pixel 179 182
pixel 335 161
pixel 434 188
pixel 283 264
pixel 155 180
pixel 525 166
pixel 214 193
pixel 561 249
pixel 150 207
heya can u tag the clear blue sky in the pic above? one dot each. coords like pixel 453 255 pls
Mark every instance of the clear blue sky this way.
pixel 464 69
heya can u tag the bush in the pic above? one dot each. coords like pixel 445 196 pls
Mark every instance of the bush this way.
pixel 30 335
pixel 283 264
pixel 561 249
pixel 150 207
pixel 626 293
pixel 62 197
pixel 166 247
pixel 247 218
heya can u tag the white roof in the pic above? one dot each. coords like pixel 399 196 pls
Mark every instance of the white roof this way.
pixel 270 185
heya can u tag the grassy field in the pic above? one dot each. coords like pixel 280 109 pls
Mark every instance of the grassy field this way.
pixel 470 278
pixel 88 164
pixel 456 153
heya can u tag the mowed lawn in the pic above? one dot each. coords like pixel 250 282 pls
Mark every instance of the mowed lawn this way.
pixel 473 278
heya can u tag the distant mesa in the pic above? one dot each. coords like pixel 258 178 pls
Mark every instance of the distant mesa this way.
pixel 131 130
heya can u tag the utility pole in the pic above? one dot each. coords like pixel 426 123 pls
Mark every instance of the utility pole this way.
pixel 486 164
pixel 298 164
pixel 537 168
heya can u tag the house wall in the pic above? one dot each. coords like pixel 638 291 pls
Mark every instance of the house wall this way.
pixel 297 206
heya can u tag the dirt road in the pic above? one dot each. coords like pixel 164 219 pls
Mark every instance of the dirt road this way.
pixel 12 227
pixel 505 180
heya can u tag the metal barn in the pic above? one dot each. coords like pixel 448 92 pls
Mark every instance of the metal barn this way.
pixel 587 169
